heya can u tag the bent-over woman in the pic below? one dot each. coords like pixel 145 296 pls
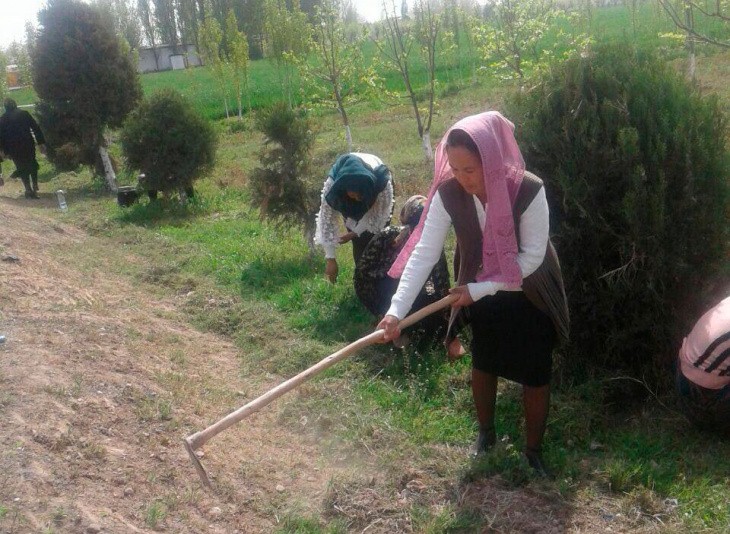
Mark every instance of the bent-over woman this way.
pixel 359 187
pixel 509 282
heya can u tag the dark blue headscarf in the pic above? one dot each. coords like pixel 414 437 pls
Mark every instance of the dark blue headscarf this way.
pixel 350 173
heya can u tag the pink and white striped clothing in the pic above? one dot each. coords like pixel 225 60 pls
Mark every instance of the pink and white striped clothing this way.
pixel 705 353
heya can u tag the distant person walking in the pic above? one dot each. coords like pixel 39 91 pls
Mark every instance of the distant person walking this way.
pixel 17 142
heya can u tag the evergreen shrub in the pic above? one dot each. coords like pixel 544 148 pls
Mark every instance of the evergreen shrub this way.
pixel 282 186
pixel 167 140
pixel 636 169
pixel 85 80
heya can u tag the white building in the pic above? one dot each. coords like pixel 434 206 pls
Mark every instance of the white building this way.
pixel 166 57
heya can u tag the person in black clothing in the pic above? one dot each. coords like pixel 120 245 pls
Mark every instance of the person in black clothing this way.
pixel 375 288
pixel 17 131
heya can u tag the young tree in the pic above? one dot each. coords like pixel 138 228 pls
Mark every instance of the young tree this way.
pixel 512 39
pixel 18 54
pixel 685 13
pixel 169 141
pixel 282 186
pixel 287 39
pixel 82 78
pixel 30 36
pixel 238 56
pixel 210 39
pixel 349 13
pixel 338 76
pixel 396 47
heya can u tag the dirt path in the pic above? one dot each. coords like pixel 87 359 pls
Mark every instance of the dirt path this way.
pixel 99 382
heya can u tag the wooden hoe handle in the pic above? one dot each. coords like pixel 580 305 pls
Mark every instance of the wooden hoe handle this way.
pixel 197 440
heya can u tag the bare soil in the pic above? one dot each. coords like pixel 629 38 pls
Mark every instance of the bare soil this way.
pixel 101 377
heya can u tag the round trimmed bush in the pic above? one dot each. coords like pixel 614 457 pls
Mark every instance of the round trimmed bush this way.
pixel 636 169
pixel 169 141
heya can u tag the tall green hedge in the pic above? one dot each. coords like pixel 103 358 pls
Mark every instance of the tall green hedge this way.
pixel 635 161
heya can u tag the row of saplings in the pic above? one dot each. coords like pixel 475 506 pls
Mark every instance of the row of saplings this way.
pixel 635 164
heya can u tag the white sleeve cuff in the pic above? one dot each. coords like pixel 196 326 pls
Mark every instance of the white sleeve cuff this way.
pixel 478 290
pixel 329 251
pixel 396 311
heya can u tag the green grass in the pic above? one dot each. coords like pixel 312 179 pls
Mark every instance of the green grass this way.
pixel 155 514
pixel 305 525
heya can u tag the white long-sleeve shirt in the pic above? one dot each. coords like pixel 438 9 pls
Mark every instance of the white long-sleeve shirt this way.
pixel 374 220
pixel 534 235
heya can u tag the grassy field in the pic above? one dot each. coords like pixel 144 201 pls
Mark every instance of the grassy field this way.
pixel 644 465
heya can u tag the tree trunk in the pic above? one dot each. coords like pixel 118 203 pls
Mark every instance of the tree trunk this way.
pixel 426 144
pixel 691 67
pixel 348 137
pixel 345 118
pixel 109 174
pixel 240 104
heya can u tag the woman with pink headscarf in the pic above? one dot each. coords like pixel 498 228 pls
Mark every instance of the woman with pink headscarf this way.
pixel 507 273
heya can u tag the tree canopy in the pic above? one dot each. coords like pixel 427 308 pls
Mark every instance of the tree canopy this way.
pixel 84 80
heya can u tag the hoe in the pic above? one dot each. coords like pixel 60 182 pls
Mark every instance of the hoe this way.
pixel 197 440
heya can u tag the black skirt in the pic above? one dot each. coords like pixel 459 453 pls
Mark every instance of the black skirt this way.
pixel 511 338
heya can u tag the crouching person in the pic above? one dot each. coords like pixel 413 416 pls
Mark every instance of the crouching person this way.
pixel 703 371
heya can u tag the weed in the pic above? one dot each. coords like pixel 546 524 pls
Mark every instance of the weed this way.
pixel 62 391
pixel 59 515
pixel 155 514
pixel 164 410
pixel 178 357
pixel 5 399
pixel 620 476
pixel 303 525
pixel 153 409
pixel 93 451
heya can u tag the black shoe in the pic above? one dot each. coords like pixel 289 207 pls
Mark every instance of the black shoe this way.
pixel 31 194
pixel 534 458
pixel 485 440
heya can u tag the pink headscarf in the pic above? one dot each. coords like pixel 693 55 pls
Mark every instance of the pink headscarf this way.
pixel 504 169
